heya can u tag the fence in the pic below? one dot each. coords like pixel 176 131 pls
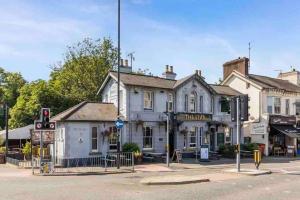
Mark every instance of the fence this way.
pixel 19 163
pixel 93 164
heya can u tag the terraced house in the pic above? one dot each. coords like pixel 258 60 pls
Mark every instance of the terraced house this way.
pixel 274 106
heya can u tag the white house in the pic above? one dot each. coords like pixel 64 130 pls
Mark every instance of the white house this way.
pixel 274 105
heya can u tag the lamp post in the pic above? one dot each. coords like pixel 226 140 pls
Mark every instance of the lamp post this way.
pixel 6 129
pixel 119 58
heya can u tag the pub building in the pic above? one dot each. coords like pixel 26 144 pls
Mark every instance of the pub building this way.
pixel 274 106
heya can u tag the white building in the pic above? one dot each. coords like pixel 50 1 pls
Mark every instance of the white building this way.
pixel 274 104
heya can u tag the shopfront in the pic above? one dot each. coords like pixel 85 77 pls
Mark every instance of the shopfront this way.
pixel 283 135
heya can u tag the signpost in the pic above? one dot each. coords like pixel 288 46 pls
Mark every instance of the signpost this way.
pixel 119 125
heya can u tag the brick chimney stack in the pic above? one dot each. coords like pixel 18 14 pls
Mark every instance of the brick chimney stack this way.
pixel 241 65
pixel 169 74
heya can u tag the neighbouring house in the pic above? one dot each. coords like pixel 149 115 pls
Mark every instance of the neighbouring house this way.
pixel 86 129
pixel 274 106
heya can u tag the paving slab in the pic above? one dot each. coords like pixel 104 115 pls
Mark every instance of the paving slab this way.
pixel 249 172
pixel 173 180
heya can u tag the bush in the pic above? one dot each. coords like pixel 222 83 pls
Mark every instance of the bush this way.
pixel 227 150
pixel 249 147
pixel 26 150
pixel 131 147
pixel 2 150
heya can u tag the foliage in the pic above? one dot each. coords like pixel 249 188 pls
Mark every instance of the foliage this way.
pixel 2 150
pixel 26 150
pixel 249 147
pixel 131 147
pixel 2 141
pixel 227 150
pixel 84 70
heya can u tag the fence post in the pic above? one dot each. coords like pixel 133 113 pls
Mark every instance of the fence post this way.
pixel 105 163
pixel 132 158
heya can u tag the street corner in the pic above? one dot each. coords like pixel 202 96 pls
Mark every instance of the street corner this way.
pixel 173 180
pixel 249 172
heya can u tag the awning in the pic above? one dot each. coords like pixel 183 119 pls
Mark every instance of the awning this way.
pixel 290 131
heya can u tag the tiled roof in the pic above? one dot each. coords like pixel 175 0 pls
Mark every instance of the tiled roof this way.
pixel 89 111
pixel 274 83
pixel 144 80
pixel 225 90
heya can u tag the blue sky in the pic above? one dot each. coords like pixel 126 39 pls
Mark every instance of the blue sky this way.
pixel 188 34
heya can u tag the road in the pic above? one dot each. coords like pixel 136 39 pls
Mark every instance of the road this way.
pixel 20 184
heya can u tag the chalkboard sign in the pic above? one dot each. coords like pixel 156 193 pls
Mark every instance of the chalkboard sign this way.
pixel 177 155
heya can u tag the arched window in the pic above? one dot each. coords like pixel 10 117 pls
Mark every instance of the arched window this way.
pixel 193 102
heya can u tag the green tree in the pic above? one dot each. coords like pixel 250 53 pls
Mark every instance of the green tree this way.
pixel 85 68
pixel 34 96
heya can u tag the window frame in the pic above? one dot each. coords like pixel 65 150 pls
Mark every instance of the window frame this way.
pixel 193 102
pixel 148 138
pixel 192 135
pixel 186 103
pixel 287 107
pixel 113 137
pixel 94 138
pixel 151 100
pixel 270 104
pixel 201 103
pixel 276 104
pixel 170 102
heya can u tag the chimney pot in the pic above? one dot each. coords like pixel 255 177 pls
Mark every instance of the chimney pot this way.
pixel 126 63
pixel 167 68
pixel 171 69
pixel 122 62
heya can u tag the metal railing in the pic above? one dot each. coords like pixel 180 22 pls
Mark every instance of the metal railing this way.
pixel 92 164
pixel 12 161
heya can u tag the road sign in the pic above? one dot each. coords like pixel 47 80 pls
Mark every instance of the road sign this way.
pixel 38 126
pixel 119 124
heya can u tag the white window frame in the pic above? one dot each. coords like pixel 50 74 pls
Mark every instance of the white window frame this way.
pixel 297 104
pixel 170 102
pixel 147 137
pixel 192 134
pixel 277 105
pixel 112 142
pixel 200 136
pixel 186 103
pixel 201 104
pixel 287 107
pixel 148 101
pixel 270 105
pixel 94 138
pixel 228 135
pixel 193 102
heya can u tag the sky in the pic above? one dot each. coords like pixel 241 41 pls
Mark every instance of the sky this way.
pixel 187 34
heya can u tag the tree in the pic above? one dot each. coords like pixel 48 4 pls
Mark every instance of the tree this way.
pixel 34 96
pixel 85 68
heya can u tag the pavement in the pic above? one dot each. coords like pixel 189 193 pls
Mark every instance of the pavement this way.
pixel 19 184
pixel 249 172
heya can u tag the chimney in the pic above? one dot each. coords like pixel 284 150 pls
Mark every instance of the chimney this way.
pixel 240 65
pixel 124 68
pixel 198 72
pixel 169 74
pixel 292 76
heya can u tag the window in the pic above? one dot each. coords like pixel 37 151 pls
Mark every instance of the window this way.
pixel 200 135
pixel 277 105
pixel 94 139
pixel 287 107
pixel 147 138
pixel 201 104
pixel 297 107
pixel 192 138
pixel 270 105
pixel 170 102
pixel 225 105
pixel 212 105
pixel 113 141
pixel 228 135
pixel 186 99
pixel 193 102
pixel 148 100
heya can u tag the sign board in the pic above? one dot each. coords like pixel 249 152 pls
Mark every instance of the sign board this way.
pixel 193 117
pixel 48 137
pixel 259 128
pixel 204 152
pixel 282 120
pixel 119 123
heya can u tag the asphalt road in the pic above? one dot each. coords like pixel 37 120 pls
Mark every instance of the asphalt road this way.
pixel 18 184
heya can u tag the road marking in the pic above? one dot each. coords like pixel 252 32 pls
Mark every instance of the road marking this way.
pixel 250 186
pixel 287 192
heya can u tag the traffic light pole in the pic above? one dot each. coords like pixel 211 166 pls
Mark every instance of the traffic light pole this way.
pixel 168 148
pixel 238 154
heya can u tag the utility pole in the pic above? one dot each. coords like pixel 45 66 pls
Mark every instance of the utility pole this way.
pixel 119 59
pixel 249 48
pixel 238 155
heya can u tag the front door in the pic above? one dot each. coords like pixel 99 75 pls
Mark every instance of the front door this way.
pixel 298 146
pixel 171 142
pixel 212 140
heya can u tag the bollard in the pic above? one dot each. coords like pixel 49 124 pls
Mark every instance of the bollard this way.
pixel 257 158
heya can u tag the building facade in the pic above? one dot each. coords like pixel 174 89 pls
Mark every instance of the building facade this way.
pixel 274 105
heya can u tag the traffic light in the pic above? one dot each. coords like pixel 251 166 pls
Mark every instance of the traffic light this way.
pixel 45 118
pixel 233 109
pixel 244 107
